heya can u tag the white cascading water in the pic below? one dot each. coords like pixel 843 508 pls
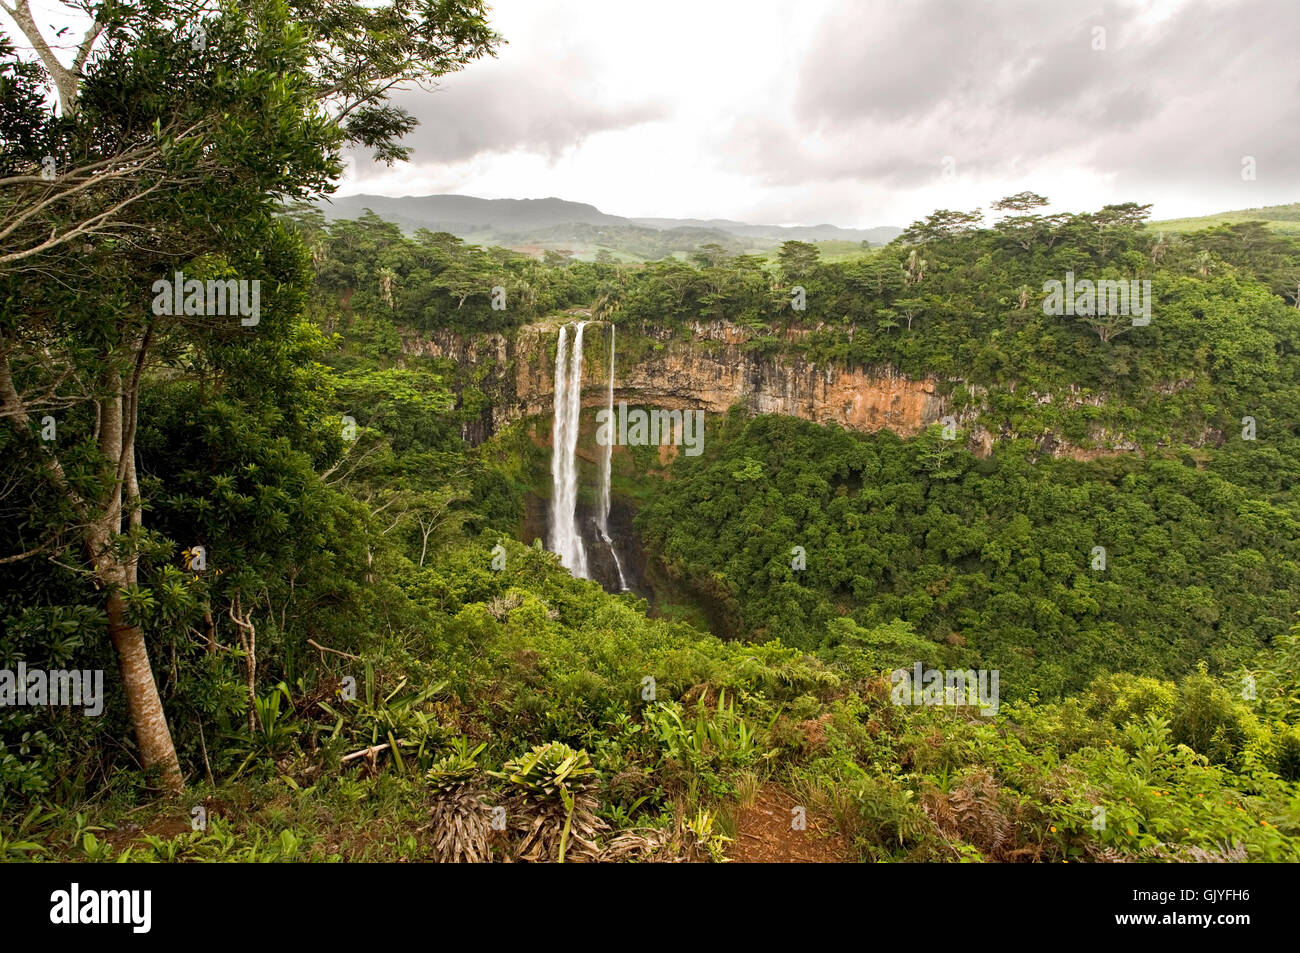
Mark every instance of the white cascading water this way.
pixel 566 541
pixel 602 516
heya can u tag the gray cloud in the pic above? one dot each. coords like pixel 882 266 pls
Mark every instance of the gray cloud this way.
pixel 1003 86
pixel 545 106
pixel 857 108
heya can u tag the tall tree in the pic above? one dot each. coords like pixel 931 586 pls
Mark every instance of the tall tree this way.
pixel 797 260
pixel 177 128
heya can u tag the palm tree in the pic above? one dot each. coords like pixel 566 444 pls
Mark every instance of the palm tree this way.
pixel 607 303
pixel 387 282
pixel 914 270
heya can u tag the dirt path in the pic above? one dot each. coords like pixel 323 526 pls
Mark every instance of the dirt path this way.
pixel 765 834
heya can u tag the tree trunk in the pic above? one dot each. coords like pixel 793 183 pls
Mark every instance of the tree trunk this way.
pixel 248 639
pixel 102 521
pixel 117 444
pixel 154 739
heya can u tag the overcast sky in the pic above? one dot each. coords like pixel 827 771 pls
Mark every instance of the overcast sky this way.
pixel 843 111
pixel 866 112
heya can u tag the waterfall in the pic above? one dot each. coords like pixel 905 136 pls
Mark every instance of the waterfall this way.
pixel 565 539
pixel 602 515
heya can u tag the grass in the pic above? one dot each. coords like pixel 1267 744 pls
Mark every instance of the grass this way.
pixel 1282 218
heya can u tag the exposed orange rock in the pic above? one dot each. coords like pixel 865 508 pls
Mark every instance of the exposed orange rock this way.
pixel 713 371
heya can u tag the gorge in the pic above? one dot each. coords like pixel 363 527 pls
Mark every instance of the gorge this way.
pixel 555 381
pixel 553 378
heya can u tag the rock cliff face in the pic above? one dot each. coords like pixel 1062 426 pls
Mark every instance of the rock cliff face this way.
pixel 712 371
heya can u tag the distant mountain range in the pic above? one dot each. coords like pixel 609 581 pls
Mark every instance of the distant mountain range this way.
pixel 583 228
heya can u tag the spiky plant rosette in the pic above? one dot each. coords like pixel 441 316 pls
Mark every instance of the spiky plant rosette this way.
pixel 459 818
pixel 643 845
pixel 553 804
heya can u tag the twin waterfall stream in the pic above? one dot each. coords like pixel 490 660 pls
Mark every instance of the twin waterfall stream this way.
pixel 565 534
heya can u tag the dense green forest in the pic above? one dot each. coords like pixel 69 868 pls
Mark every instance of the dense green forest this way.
pixel 325 635
pixel 990 561
pixel 947 299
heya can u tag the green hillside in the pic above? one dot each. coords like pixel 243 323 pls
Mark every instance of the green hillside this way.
pixel 1282 218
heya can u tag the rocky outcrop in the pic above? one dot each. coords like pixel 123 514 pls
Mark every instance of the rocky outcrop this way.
pixel 711 371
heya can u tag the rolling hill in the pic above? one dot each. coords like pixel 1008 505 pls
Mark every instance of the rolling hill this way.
pixel 538 224
pixel 1283 218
